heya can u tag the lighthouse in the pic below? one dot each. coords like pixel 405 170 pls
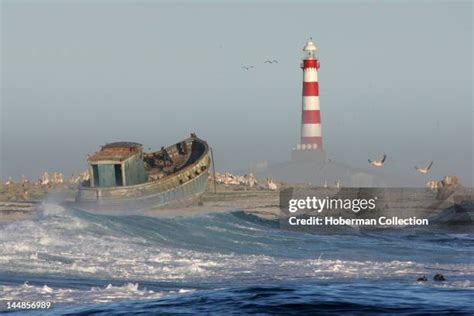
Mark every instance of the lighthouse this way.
pixel 308 162
pixel 311 142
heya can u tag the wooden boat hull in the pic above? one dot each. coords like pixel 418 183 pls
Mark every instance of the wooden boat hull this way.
pixel 180 187
pixel 184 193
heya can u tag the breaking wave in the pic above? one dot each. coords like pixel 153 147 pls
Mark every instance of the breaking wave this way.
pixel 72 256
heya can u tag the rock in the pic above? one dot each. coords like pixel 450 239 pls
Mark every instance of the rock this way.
pixel 450 181
pixel 422 279
pixel 439 277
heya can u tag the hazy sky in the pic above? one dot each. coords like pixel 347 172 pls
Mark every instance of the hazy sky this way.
pixel 395 78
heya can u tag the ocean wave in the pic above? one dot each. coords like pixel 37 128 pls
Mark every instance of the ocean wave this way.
pixel 59 295
pixel 71 256
pixel 282 299
pixel 214 248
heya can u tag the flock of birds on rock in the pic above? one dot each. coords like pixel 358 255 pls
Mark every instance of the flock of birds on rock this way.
pixel 268 61
pixel 380 163
pixel 53 178
pixel 248 180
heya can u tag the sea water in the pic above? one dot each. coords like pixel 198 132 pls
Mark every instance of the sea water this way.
pixel 228 262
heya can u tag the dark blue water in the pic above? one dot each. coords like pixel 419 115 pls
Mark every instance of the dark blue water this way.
pixel 230 262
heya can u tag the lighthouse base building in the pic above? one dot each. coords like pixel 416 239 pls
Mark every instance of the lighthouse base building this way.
pixel 317 156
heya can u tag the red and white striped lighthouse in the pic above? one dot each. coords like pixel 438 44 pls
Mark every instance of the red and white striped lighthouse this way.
pixel 311 138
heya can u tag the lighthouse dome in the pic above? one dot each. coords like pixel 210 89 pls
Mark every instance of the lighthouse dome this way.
pixel 309 46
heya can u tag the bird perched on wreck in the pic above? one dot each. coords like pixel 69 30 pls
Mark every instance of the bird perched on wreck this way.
pixel 424 170
pixel 378 163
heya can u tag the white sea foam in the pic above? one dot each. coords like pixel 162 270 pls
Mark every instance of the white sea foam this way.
pixel 105 294
pixel 67 244
pixel 57 246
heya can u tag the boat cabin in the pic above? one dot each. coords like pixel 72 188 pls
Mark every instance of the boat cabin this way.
pixel 117 164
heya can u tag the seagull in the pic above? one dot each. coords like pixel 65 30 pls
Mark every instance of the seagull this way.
pixel 378 163
pixel 273 61
pixel 247 67
pixel 424 170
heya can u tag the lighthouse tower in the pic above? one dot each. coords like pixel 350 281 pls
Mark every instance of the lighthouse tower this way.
pixel 311 144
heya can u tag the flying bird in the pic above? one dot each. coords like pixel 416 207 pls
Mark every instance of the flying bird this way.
pixel 424 170
pixel 378 163
pixel 247 67
pixel 272 61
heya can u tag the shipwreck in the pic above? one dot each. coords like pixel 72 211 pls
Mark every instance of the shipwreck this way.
pixel 125 179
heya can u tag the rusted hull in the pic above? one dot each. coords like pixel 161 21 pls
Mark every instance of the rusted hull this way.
pixel 184 185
